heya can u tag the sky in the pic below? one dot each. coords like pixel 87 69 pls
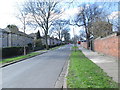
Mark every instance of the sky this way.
pixel 8 13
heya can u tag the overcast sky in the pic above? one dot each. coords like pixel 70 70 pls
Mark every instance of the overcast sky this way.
pixel 8 12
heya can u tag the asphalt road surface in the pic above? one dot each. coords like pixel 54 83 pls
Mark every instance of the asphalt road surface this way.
pixel 38 72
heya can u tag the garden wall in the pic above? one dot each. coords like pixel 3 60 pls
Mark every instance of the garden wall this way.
pixel 109 45
pixel 84 44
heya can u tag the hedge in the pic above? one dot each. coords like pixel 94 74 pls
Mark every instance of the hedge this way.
pixel 13 51
pixel 39 48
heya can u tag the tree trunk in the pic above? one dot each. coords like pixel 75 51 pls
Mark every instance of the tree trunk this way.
pixel 47 47
pixel 87 35
pixel 24 50
pixel 88 41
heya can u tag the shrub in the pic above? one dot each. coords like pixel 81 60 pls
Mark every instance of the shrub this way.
pixel 13 51
pixel 38 43
pixel 30 46
pixel 39 48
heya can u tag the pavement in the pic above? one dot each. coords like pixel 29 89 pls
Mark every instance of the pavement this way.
pixel 41 71
pixel 109 64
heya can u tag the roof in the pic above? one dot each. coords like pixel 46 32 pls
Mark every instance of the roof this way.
pixel 32 34
pixel 2 30
pixel 7 30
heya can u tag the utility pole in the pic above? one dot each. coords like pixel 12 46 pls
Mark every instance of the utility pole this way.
pixel 24 33
pixel 74 39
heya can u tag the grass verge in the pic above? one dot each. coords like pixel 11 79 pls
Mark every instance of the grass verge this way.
pixel 83 73
pixel 19 57
pixel 8 60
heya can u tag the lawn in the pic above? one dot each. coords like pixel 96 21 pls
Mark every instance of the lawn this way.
pixel 20 57
pixel 83 73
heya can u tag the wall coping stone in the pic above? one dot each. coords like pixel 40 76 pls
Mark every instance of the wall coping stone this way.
pixel 114 34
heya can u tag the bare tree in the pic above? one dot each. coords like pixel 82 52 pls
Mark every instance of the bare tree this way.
pixel 22 17
pixel 101 29
pixel 115 21
pixel 66 35
pixel 88 14
pixel 58 26
pixel 43 13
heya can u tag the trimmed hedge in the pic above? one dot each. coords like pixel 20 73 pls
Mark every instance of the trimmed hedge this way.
pixel 13 51
pixel 39 48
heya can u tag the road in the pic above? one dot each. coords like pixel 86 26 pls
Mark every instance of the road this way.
pixel 38 72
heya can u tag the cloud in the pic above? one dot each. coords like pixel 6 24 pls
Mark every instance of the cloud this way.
pixel 70 12
pixel 114 15
pixel 7 12
pixel 77 30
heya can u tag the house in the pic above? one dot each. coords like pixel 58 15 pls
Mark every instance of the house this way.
pixel 51 41
pixel 12 37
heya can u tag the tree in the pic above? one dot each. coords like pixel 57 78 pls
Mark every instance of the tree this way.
pixel 114 19
pixel 101 29
pixel 13 27
pixel 82 35
pixel 38 41
pixel 23 18
pixel 66 35
pixel 58 26
pixel 85 17
pixel 38 35
pixel 42 13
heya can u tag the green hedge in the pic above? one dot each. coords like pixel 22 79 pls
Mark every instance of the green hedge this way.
pixel 13 51
pixel 39 48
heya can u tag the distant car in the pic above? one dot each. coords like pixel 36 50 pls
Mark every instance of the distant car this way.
pixel 79 42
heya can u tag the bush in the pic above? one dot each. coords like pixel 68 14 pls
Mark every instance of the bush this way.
pixel 39 48
pixel 13 51
pixel 38 43
pixel 30 47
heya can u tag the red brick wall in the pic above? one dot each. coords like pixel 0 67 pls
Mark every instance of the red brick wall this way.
pixel 119 46
pixel 108 45
pixel 84 44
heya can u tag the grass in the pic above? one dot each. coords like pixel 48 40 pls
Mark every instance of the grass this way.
pixel 19 57
pixel 75 47
pixel 83 73
pixel 25 56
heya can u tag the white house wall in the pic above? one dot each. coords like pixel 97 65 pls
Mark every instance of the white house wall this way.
pixel 0 39
pixel 51 41
pixel 4 39
pixel 8 39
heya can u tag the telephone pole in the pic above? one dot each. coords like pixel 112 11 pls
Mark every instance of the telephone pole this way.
pixel 74 39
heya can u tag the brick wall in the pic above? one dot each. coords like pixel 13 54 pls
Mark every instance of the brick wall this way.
pixel 84 44
pixel 109 45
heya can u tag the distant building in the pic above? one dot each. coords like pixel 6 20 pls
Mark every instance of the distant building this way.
pixel 11 37
pixel 51 41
